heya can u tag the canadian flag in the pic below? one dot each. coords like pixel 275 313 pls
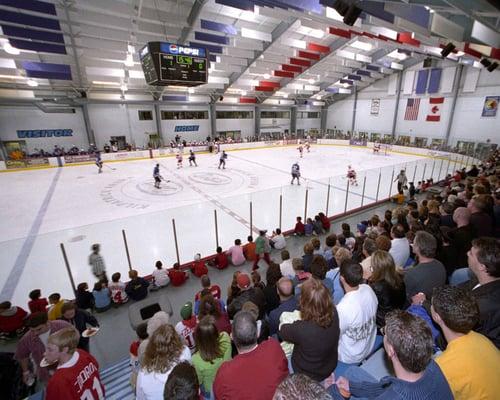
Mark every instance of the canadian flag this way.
pixel 434 113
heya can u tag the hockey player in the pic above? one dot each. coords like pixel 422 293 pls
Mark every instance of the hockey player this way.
pixel 179 159
pixel 157 176
pixel 192 158
pixel 301 150
pixel 98 160
pixel 351 175
pixel 222 159
pixel 296 173
pixel 376 148
pixel 307 146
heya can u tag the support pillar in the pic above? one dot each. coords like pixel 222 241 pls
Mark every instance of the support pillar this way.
pixel 88 126
pixel 293 120
pixel 257 121
pixel 158 124
pixel 458 78
pixel 396 108
pixel 213 120
pixel 324 118
pixel 353 125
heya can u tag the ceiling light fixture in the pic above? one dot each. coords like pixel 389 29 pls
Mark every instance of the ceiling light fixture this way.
pixel 123 88
pixel 32 83
pixel 311 81
pixel 190 90
pixel 129 61
pixel 11 49
pixel 267 76
pixel 243 92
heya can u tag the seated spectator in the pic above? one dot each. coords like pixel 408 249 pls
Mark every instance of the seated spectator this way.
pixel 330 242
pixel 198 267
pixel 233 290
pixel 262 324
pixel 186 326
pixel 84 298
pixel 286 266
pixel 346 231
pixel 102 296
pixel 117 289
pixel 247 293
pixel 212 307
pixel 309 227
pixel 273 275
pixel 316 335
pixel 11 320
pixel 341 255
pixel 299 229
pixel 480 220
pixel 387 284
pixel 369 247
pixel 158 319
pixel 77 374
pixel 429 272
pixel 357 314
pixel 164 351
pixel 142 334
pixel 300 275
pixel 277 240
pixel 300 387
pixel 484 262
pixel 399 198
pixel 446 217
pixel 177 276
pixel 318 225
pixel 457 313
pixel 212 349
pixel 137 287
pixel 408 344
pixel 288 303
pixel 383 243
pixel 249 249
pixel 308 256
pixel 319 269
pixel 220 261
pixel 325 222
pixel 316 243
pixel 236 253
pixel 400 247
pixel 257 280
pixel 460 238
pixel 264 363
pixel 160 277
pixel 37 303
pixel 182 383
pixel 361 227
pixel 56 303
pixel 206 284
pixel 79 319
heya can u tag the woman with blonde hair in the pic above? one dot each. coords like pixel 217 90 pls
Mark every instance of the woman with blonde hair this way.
pixel 316 335
pixel 388 285
pixel 163 352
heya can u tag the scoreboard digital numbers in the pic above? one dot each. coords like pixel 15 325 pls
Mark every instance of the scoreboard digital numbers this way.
pixel 171 64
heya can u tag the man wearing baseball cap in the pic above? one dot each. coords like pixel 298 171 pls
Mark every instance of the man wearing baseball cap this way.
pixel 186 327
pixel 247 293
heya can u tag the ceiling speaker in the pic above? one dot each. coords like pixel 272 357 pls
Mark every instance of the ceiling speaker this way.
pixel 448 49
pixel 352 15
pixel 485 62
pixel 492 67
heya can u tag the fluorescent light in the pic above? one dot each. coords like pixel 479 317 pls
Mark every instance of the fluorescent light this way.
pixel 285 95
pixel 129 61
pixel 190 90
pixel 243 92
pixel 105 83
pixel 32 83
pixel 11 77
pixel 11 49
pixel 131 49
pixel 361 45
pixel 267 76
pixel 333 14
pixel 124 88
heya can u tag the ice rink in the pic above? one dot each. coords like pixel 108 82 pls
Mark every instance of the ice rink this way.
pixel 77 206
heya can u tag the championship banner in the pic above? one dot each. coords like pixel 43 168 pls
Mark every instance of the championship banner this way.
pixel 375 107
pixel 490 106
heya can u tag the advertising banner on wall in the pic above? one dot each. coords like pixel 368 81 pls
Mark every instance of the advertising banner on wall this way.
pixel 375 107
pixel 490 106
pixel 357 142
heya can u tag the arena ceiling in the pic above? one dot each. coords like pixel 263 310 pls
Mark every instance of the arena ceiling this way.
pixel 278 52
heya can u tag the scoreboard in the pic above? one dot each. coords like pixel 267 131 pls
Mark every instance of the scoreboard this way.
pixel 172 64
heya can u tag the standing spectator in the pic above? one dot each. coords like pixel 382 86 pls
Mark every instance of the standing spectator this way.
pixel 97 263
pixel 177 276
pixel 257 280
pixel 325 221
pixel 402 180
pixel 286 266
pixel 186 327
pixel 56 304
pixel 469 376
pixel 316 335
pixel 288 303
pixel 182 383
pixel 84 298
pixel 481 222
pixel 102 297
pixel 117 289
pixel 357 314
pixel 277 240
pixel 299 229
pixel 198 267
pixel 308 256
pixel 273 275
pixel 220 261
pixel 446 217
pixel 137 287
pixel 300 275
pixel 264 363
pixel 164 351
pixel 330 242
pixel 387 284
pixel 346 230
pixel 429 272
pixel 236 253
pixel 79 319
pixel 262 249
pixel 461 237
pixel 409 345
pixel 213 348
pixel 207 285
pixel 77 374
pixel 210 306
pixel 32 345
pixel 369 247
pixel 37 303
pixel 160 277
pixel 400 247
pixel 247 293
pixel 142 334
pixel 249 249
pixel 11 320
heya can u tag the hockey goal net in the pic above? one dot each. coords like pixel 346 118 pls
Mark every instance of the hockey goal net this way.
pixel 381 148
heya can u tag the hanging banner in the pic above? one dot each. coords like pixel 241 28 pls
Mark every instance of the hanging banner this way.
pixel 490 106
pixel 375 107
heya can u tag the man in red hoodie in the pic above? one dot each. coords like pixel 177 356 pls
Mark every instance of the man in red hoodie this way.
pixel 198 268
pixel 177 277
pixel 11 319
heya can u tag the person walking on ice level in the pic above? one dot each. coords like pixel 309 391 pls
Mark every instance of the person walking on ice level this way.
pixel 296 173
pixel 98 160
pixel 157 176
pixel 192 158
pixel 402 180
pixel 97 263
pixel 222 160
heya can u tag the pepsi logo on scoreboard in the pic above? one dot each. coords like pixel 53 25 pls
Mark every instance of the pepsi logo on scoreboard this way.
pixel 172 48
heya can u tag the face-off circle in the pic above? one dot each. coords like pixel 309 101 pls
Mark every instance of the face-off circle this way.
pixel 166 188
pixel 210 178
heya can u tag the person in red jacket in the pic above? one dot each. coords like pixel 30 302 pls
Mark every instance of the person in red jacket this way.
pixel 198 267
pixel 37 303
pixel 11 320
pixel 177 277
pixel 324 221
pixel 220 261
pixel 77 374
pixel 299 227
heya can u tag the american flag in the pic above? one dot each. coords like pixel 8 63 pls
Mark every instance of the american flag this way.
pixel 412 106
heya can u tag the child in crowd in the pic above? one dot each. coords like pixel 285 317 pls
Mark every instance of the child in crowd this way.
pixel 419 187
pixel 325 222
pixel 398 198
pixel 56 305
pixel 236 253
pixel 249 249
pixel 346 230
pixel 318 225
pixel 160 277
pixel 300 275
pixel 412 191
pixel 11 320
pixel 198 267
pixel 309 227
pixel 277 240
pixel 299 229
pixel 177 277
pixel 135 366
pixel 84 298
pixel 256 280
pixel 137 287
pixel 186 326
pixel 37 303
pixel 220 261
pixel 316 243
pixel 117 289
pixel 102 297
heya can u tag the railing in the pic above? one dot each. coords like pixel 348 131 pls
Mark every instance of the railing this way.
pixel 56 261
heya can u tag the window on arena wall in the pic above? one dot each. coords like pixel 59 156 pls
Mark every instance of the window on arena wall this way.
pixel 145 115
pixel 275 114
pixel 234 114
pixel 184 114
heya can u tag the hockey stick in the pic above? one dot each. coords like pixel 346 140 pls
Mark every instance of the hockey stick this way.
pixel 111 168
